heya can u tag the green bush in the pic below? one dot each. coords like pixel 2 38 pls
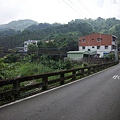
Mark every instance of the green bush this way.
pixel 8 70
pixel 33 68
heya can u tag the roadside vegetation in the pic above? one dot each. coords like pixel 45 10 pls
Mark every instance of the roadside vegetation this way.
pixel 14 66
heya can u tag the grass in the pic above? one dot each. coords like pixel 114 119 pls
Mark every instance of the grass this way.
pixel 33 68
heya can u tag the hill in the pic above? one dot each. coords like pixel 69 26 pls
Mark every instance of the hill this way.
pixel 18 25
pixel 65 36
pixel 62 34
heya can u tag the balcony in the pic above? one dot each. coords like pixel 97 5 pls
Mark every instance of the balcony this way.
pixel 113 43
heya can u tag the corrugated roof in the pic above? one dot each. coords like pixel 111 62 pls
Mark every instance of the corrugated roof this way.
pixel 76 52
pixel 83 52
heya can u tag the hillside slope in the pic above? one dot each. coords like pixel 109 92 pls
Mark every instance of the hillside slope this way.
pixel 18 25
pixel 65 36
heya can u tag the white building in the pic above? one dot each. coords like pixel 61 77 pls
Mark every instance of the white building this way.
pixel 102 43
pixel 26 43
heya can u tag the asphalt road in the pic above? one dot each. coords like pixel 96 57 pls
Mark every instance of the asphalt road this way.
pixel 94 98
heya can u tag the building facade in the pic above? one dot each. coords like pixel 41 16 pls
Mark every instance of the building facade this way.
pixel 26 43
pixel 101 43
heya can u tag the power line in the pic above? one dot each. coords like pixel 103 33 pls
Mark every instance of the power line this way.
pixel 73 8
pixel 85 6
pixel 76 11
pixel 74 5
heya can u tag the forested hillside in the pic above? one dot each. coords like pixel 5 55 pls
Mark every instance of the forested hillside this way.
pixel 63 36
pixel 18 25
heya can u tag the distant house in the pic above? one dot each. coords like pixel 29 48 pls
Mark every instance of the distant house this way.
pixel 94 45
pixel 78 55
pixel 26 43
pixel 101 43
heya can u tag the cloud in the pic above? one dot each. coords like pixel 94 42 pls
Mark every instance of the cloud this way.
pixel 111 8
pixel 114 1
pixel 106 8
pixel 100 3
pixel 10 10
pixel 56 10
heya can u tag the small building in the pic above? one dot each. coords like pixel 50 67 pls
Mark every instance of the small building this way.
pixel 78 55
pixel 19 49
pixel 26 43
pixel 102 43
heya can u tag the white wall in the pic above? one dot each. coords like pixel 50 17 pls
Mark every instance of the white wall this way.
pixel 26 43
pixel 99 51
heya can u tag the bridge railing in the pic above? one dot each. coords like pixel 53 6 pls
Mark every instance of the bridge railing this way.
pixel 13 89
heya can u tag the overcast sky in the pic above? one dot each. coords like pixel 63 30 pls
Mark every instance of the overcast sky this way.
pixel 61 11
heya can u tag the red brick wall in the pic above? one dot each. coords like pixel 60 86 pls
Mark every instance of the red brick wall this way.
pixel 106 40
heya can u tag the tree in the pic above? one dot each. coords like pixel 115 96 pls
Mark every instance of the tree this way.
pixel 8 70
pixel 32 48
pixel 11 58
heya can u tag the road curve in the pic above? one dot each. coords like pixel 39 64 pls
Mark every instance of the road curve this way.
pixel 94 98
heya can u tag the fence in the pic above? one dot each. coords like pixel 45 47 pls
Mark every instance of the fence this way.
pixel 95 60
pixel 17 88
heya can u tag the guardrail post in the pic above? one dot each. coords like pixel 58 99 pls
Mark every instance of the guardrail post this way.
pixel 16 87
pixel 45 83
pixel 74 75
pixel 99 67
pixel 106 65
pixel 103 66
pixel 82 72
pixel 62 78
pixel 94 69
pixel 89 70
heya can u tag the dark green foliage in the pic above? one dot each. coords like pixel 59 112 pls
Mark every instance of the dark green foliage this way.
pixel 31 64
pixel 66 32
pixel 63 36
pixel 32 48
pixel 39 26
pixel 8 70
pixel 68 64
pixel 115 30
pixel 8 32
pixel 100 24
pixel 110 56
pixel 10 58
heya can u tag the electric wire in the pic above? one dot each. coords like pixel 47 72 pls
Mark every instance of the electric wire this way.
pixel 73 8
pixel 85 7
pixel 76 11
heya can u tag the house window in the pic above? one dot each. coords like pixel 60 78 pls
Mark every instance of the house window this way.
pixel 83 47
pixel 83 40
pixel 106 47
pixel 88 49
pixel 114 39
pixel 98 47
pixel 93 47
pixel 34 43
pixel 99 39
pixel 92 39
pixel 25 48
pixel 113 47
pixel 25 43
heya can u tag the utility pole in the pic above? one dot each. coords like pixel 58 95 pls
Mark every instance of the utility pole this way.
pixel 116 51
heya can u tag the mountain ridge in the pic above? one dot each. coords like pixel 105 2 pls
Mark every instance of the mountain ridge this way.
pixel 18 25
pixel 65 36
